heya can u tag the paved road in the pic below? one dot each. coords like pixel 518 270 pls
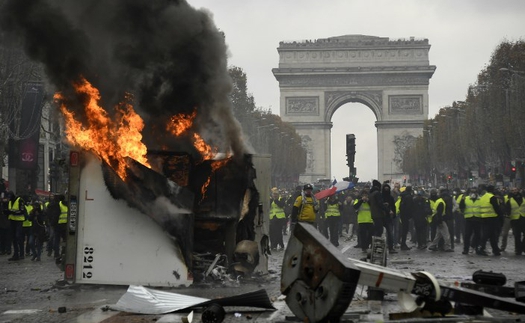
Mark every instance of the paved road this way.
pixel 29 291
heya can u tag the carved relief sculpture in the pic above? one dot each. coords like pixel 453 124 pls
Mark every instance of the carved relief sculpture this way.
pixel 405 104
pixel 303 105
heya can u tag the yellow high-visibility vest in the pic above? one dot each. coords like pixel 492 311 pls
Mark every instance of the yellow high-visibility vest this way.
pixel 276 211
pixel 15 207
pixel 27 223
pixel 434 205
pixel 63 213
pixel 332 210
pixel 471 208
pixel 486 209
pixel 516 211
pixel 364 215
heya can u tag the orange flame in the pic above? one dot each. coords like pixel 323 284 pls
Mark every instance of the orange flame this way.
pixel 216 164
pixel 180 124
pixel 111 140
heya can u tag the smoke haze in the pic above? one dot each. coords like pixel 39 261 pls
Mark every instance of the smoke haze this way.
pixel 170 56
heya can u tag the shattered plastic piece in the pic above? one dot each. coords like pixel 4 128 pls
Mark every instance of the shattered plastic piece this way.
pixel 237 314
pixel 188 318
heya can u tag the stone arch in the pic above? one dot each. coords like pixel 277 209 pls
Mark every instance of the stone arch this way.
pixel 391 77
pixel 334 100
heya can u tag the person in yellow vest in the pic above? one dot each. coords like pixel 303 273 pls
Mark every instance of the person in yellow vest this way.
pixel 433 197
pixel 17 216
pixel 277 219
pixel 305 207
pixel 27 228
pixel 364 220
pixel 332 207
pixel 516 209
pixel 490 220
pixel 61 227
pixel 469 206
pixel 438 218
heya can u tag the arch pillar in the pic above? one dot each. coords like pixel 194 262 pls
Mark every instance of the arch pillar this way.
pixel 316 138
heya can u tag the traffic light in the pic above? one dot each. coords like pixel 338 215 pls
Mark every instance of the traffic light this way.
pixel 350 150
pixel 513 172
pixel 449 178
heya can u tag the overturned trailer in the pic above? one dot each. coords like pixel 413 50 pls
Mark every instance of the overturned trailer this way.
pixel 155 226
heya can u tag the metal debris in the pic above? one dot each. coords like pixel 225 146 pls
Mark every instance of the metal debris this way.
pixel 142 300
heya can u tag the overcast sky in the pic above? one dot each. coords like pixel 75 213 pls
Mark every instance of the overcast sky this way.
pixel 463 34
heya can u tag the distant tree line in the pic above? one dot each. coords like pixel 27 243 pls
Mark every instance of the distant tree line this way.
pixel 484 134
pixel 268 134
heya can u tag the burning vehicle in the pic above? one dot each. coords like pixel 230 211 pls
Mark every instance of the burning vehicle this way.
pixel 143 87
pixel 161 228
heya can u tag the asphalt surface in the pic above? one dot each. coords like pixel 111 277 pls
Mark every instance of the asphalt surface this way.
pixel 34 291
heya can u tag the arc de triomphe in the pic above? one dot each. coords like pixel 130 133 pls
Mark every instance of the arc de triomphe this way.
pixel 391 77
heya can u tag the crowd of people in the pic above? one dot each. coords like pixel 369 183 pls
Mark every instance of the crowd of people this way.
pixel 28 225
pixel 409 217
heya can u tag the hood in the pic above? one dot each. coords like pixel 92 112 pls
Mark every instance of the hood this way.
pixel 387 193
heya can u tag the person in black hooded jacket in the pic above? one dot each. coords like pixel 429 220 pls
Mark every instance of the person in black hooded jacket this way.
pixel 406 210
pixel 389 222
pixel 382 211
pixel 448 216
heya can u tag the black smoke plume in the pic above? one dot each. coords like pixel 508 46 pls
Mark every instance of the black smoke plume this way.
pixel 169 55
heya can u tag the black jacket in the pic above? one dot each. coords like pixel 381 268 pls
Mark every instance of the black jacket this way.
pixel 406 206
